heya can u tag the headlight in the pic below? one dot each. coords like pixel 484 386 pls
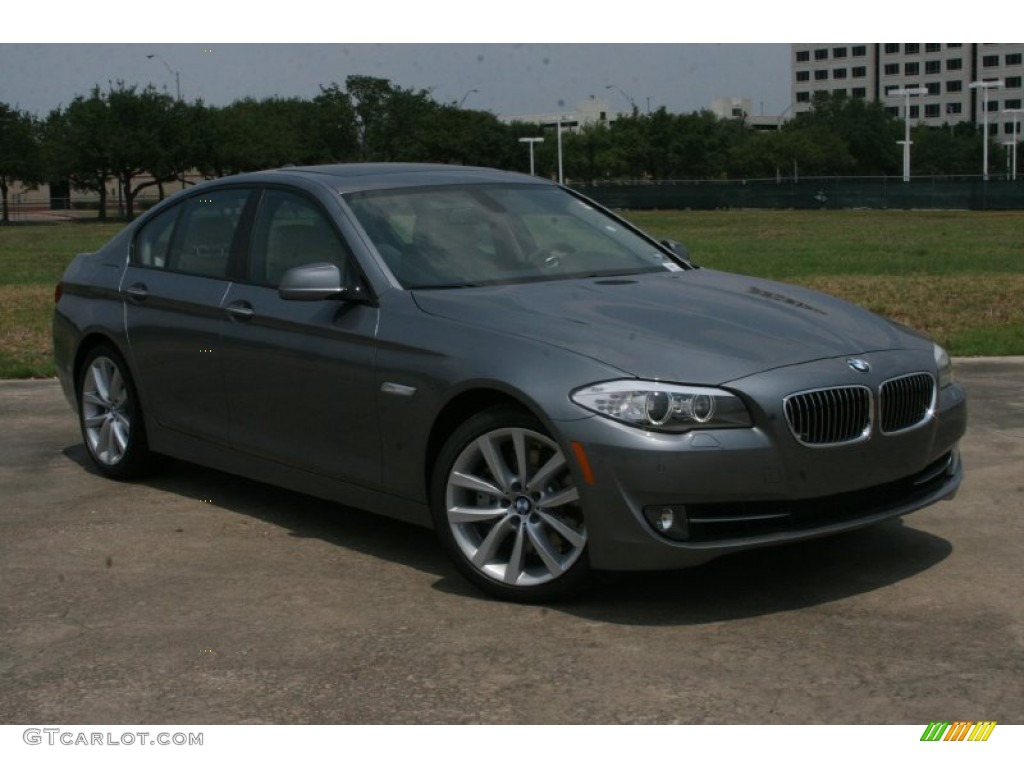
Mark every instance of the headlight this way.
pixel 664 407
pixel 944 366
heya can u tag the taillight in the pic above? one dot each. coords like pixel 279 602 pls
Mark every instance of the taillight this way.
pixel 58 292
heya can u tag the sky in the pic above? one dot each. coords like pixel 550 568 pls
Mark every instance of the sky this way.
pixel 506 79
pixel 513 58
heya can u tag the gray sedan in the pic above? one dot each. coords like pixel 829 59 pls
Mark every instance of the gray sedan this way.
pixel 499 358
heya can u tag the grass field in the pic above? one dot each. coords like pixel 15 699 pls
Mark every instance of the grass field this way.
pixel 957 275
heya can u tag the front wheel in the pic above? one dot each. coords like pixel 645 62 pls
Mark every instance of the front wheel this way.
pixel 506 508
pixel 110 415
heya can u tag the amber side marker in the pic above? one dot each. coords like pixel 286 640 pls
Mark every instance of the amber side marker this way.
pixel 584 462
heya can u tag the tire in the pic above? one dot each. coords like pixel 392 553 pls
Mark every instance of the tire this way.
pixel 110 415
pixel 506 508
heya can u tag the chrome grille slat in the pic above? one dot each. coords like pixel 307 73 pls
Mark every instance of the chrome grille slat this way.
pixel 829 416
pixel 906 402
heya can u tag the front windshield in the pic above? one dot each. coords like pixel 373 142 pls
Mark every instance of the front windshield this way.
pixel 482 234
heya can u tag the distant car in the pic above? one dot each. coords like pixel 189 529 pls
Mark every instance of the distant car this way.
pixel 498 357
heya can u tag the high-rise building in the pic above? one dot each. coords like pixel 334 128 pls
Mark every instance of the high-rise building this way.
pixel 945 70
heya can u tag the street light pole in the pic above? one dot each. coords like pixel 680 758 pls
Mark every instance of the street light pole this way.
pixel 466 96
pixel 907 93
pixel 177 75
pixel 558 127
pixel 1016 113
pixel 531 140
pixel 983 86
pixel 627 97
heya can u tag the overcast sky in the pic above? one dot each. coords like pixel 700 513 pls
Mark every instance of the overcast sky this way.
pixel 53 51
pixel 501 78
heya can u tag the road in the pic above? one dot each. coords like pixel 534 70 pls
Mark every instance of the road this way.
pixel 197 597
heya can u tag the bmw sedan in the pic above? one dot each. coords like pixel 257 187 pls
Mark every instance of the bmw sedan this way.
pixel 494 356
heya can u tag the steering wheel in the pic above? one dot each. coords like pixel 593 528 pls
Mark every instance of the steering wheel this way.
pixel 550 256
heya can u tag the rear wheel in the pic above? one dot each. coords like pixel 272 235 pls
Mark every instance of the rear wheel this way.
pixel 506 508
pixel 110 415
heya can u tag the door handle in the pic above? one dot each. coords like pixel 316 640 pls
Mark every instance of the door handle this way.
pixel 241 311
pixel 137 292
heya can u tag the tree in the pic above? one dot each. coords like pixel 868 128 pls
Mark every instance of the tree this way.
pixel 20 157
pixel 148 135
pixel 78 145
pixel 868 132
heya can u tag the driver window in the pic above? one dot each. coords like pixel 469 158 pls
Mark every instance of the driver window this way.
pixel 290 231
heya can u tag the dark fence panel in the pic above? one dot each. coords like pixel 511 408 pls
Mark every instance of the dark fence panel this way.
pixel 812 193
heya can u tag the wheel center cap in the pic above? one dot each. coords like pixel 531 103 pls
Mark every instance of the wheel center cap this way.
pixel 522 505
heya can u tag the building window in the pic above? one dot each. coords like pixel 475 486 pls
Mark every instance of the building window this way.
pixel 992 106
pixel 934 89
pixel 803 77
pixel 892 47
pixel 821 74
pixel 993 129
pixel 803 96
pixel 932 67
pixel 954 86
pixel 820 54
pixel 892 69
pixel 954 108
pixel 838 53
pixel 911 68
pixel 859 50
pixel 803 55
pixel 932 47
pixel 953 65
pixel 839 74
pixel 911 48
pixel 1012 82
pixel 1011 104
pixel 1013 59
pixel 838 91
pixel 915 111
pixel 990 61
pixel 894 111
pixel 954 45
pixel 1008 128
pixel 860 71
pixel 820 94
pixel 931 110
pixel 859 93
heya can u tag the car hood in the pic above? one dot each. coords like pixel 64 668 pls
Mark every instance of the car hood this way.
pixel 698 326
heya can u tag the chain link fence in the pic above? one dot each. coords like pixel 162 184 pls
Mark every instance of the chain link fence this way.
pixel 833 192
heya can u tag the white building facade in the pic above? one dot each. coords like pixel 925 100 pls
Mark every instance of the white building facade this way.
pixel 946 70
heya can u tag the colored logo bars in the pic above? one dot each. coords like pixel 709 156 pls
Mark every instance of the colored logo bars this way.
pixel 959 730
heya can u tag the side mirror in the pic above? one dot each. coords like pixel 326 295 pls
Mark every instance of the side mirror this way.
pixel 315 282
pixel 679 250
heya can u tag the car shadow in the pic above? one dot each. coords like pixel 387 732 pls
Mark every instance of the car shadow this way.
pixel 738 586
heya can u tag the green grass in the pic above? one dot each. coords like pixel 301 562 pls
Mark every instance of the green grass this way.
pixel 32 259
pixel 958 275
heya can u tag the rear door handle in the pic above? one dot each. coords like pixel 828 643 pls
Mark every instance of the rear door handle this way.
pixel 137 292
pixel 241 311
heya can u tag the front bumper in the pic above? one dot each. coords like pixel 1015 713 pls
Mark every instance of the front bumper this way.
pixel 743 488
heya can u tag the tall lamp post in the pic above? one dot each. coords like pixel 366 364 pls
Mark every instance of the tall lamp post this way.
pixel 531 140
pixel 1016 113
pixel 906 93
pixel 177 75
pixel 983 86
pixel 466 96
pixel 628 98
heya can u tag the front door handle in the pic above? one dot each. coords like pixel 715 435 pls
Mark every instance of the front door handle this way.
pixel 241 311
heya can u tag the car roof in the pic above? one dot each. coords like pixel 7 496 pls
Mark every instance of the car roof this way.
pixel 355 177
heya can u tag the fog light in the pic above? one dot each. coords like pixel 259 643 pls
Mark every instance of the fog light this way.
pixel 669 520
